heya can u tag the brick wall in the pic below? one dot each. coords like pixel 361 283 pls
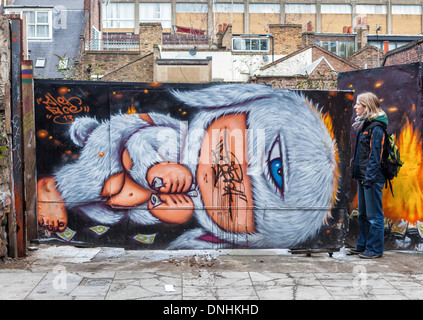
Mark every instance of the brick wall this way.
pixel 279 82
pixel 326 82
pixel 362 32
pixel 367 57
pixel 336 62
pixel 103 62
pixel 140 70
pixel 414 53
pixel 150 35
pixel 287 37
pixel 321 69
pixel 406 24
pixel 94 17
pixel 124 65
pixel 308 38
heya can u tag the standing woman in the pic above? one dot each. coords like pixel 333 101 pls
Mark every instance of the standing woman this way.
pixel 368 172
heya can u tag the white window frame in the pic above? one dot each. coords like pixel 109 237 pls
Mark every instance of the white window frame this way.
pixel 251 39
pixel 227 7
pixel 164 14
pixel 406 9
pixel 110 22
pixel 21 11
pixel 300 8
pixel 40 63
pixel 335 8
pixel 264 8
pixel 371 9
pixel 337 45
pixel 191 7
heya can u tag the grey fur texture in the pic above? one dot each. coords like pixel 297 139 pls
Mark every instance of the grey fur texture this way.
pixel 281 220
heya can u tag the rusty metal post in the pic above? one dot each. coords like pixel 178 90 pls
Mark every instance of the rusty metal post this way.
pixel 17 150
pixel 28 141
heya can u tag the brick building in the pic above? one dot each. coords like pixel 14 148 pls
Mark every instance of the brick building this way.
pixel 412 52
pixel 367 57
pixel 334 23
pixel 311 67
pixel 248 17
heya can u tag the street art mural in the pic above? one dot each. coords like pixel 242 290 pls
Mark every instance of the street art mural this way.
pixel 194 166
pixel 399 90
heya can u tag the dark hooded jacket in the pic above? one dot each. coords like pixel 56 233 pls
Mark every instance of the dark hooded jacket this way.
pixel 368 153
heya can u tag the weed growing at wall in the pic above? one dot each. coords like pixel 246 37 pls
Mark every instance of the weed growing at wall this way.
pixel 322 81
pixel 72 70
pixel 4 145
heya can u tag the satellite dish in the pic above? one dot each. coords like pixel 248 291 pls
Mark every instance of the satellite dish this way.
pixel 265 58
pixel 192 52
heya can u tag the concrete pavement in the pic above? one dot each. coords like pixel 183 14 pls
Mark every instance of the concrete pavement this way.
pixel 71 273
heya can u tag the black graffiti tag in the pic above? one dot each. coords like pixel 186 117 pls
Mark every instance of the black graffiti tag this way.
pixel 227 170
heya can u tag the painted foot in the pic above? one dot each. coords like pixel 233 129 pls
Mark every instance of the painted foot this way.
pixel 52 213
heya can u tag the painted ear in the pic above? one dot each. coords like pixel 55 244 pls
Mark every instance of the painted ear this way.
pixel 81 129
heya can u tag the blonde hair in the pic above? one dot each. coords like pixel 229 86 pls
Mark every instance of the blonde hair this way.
pixel 370 102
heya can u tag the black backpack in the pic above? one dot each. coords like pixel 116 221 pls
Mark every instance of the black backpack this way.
pixel 391 159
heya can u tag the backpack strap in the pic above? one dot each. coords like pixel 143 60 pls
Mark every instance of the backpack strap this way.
pixel 390 186
pixel 377 124
pixel 370 127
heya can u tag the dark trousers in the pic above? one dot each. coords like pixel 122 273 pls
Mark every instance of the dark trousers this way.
pixel 370 218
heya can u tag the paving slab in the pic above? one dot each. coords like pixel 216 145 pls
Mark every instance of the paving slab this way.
pixel 70 273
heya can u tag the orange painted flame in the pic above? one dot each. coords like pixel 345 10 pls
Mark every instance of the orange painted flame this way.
pixel 407 203
pixel 131 110
pixel 327 120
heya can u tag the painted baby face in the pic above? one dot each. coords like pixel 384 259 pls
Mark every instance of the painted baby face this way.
pixel 222 174
pixel 289 165
pixel 253 161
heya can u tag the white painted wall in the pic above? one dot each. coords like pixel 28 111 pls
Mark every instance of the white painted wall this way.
pixel 226 67
pixel 290 66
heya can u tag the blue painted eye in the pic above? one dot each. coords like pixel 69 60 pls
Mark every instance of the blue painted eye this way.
pixel 276 167
pixel 276 171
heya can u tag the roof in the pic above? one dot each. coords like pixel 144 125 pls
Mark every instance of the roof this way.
pixel 312 46
pixel 310 68
pixel 65 34
pixel 301 62
pixel 365 48
pixel 69 4
pixel 402 48
pixel 392 37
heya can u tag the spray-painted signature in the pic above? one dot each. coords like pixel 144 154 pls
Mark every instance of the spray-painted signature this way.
pixel 227 170
pixel 61 108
